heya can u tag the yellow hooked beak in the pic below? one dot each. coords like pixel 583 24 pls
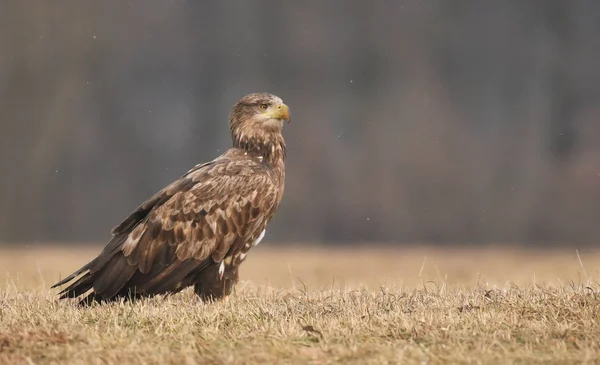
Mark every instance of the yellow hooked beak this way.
pixel 281 111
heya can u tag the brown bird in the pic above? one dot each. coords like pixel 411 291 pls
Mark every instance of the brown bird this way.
pixel 197 230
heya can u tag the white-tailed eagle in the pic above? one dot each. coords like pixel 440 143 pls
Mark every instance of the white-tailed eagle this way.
pixel 197 230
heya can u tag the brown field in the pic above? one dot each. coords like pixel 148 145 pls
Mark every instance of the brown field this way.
pixel 314 305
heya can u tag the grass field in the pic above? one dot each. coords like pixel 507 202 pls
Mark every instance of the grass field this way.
pixel 313 305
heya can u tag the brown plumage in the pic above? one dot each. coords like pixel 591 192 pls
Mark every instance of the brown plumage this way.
pixel 197 230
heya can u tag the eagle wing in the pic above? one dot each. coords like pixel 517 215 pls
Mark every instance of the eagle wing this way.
pixel 197 220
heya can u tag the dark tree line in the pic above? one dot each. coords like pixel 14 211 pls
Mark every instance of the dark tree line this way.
pixel 462 121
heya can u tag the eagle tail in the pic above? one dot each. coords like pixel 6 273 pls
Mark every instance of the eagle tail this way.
pixel 89 299
pixel 72 276
pixel 82 285
pixel 113 277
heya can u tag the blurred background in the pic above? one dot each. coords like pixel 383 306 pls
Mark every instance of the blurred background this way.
pixel 451 122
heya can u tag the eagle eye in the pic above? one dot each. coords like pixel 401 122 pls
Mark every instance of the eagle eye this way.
pixel 263 106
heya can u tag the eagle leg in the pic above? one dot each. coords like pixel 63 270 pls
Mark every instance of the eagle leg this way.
pixel 217 281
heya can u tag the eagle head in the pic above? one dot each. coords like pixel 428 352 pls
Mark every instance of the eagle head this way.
pixel 258 113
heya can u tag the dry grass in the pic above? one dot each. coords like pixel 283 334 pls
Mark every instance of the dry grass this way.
pixel 321 306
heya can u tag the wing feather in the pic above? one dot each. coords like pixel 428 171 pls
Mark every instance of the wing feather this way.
pixel 180 230
pixel 113 277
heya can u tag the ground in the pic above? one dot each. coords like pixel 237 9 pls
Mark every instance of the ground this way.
pixel 313 305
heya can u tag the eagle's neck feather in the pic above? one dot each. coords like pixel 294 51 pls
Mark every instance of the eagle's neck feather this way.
pixel 269 147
